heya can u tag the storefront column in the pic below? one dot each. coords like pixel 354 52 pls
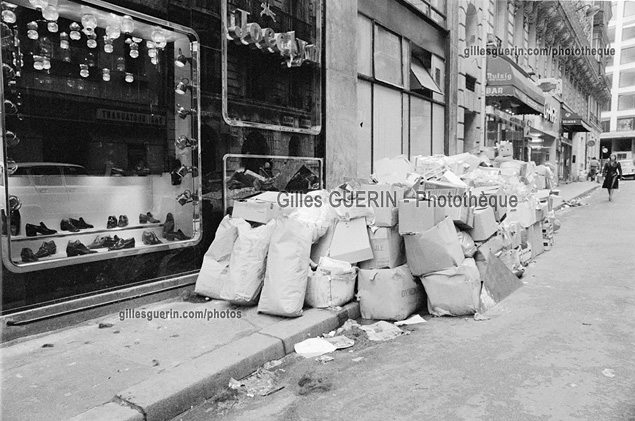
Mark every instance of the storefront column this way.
pixel 452 82
pixel 340 120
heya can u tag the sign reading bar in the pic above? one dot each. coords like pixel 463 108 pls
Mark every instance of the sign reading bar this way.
pixel 130 117
pixel 295 50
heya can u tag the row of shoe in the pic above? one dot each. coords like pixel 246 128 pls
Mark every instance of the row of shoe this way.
pixel 147 218
pixel 77 248
pixel 34 230
pixel 168 230
pixel 74 225
pixel 46 249
pixel 114 223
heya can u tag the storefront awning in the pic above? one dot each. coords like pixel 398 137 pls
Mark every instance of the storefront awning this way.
pixel 509 85
pixel 572 122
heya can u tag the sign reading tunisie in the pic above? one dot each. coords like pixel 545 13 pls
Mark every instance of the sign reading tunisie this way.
pixel 295 50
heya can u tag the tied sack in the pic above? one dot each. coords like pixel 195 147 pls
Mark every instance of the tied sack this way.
pixel 454 291
pixel 287 269
pixel 215 268
pixel 247 264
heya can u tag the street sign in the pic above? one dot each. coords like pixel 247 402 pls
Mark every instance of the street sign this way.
pixel 590 143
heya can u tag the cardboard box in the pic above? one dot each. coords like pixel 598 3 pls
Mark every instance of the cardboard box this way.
pixel 441 188
pixel 462 216
pixel 325 291
pixel 416 215
pixel 433 250
pixel 485 224
pixel 525 255
pixel 540 181
pixel 261 208
pixel 346 240
pixel 495 198
pixel 388 247
pixel 393 170
pixel 534 237
pixel 389 294
pixel 384 199
pixel 494 244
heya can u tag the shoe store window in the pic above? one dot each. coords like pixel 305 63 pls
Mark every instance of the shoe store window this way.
pixel 100 134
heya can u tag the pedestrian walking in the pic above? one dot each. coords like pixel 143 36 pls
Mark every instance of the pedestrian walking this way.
pixel 612 173
pixel 594 167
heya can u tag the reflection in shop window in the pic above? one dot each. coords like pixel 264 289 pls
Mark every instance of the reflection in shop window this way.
pixel 388 58
pixel 94 92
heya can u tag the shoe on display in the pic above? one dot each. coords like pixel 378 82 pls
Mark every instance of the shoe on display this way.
pixel 76 248
pixel 150 238
pixel 112 222
pixel 27 255
pixel 46 249
pixel 80 223
pixel 102 241
pixel 33 230
pixel 168 226
pixel 151 218
pixel 177 236
pixel 123 221
pixel 143 219
pixel 67 225
pixel 14 215
pixel 123 244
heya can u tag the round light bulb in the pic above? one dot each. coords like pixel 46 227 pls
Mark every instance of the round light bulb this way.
pixel 39 4
pixel 159 38
pixel 52 27
pixel 8 16
pixel 46 63
pixel 83 70
pixel 129 77
pixel 37 63
pixel 32 30
pixel 92 41
pixel 152 53
pixel 50 13
pixel 64 45
pixel 108 48
pixel 106 75
pixel 75 34
pixel 121 64
pixel 113 31
pixel 154 60
pixel 127 24
pixel 134 50
pixel 89 22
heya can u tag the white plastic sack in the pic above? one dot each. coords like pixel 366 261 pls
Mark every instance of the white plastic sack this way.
pixel 467 244
pixel 287 269
pixel 215 268
pixel 327 288
pixel 247 264
pixel 454 291
pixel 318 217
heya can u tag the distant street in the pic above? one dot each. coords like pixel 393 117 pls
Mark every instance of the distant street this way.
pixel 560 348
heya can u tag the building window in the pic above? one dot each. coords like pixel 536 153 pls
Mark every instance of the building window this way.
pixel 625 124
pixel 434 9
pixel 611 34
pixel 628 55
pixel 606 126
pixel 364 46
pixel 470 83
pixel 628 33
pixel 627 78
pixel 629 8
pixel 626 102
pixel 400 98
pixel 388 57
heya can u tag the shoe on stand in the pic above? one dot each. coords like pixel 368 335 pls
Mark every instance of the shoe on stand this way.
pixel 102 241
pixel 150 238
pixel 151 218
pixel 80 223
pixel 177 236
pixel 168 226
pixel 76 248
pixel 33 230
pixel 67 225
pixel 112 222
pixel 27 255
pixel 123 244
pixel 123 221
pixel 46 249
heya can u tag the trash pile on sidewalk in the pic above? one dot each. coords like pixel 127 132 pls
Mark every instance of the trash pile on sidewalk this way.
pixel 455 231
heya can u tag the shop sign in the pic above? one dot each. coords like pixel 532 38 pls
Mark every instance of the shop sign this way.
pixel 130 117
pixel 295 50
pixel 288 120
pixel 305 123
pixel 550 113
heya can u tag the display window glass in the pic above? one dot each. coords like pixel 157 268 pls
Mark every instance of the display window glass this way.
pixel 100 134
pixel 271 65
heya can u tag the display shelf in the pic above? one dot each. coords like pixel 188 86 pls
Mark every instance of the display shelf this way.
pixel 62 234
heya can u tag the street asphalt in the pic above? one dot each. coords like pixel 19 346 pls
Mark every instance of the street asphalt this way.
pixel 562 347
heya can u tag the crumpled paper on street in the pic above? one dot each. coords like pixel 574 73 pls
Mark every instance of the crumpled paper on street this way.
pixel 314 347
pixel 382 331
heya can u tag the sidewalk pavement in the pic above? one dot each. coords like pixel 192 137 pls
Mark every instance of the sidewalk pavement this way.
pixel 572 191
pixel 141 369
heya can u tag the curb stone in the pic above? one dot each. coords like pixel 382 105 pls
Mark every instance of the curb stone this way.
pixel 592 189
pixel 175 390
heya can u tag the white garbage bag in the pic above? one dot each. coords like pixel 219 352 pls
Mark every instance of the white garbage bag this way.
pixel 215 268
pixel 247 264
pixel 287 269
